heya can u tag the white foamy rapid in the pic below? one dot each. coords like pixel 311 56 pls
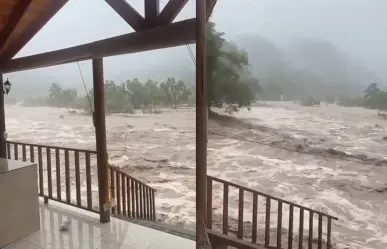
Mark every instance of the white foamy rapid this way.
pixel 160 150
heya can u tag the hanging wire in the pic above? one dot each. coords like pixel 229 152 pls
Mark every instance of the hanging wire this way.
pixel 187 46
pixel 84 85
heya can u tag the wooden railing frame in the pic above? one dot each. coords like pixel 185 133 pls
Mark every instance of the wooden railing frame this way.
pixel 256 194
pixel 134 198
pixel 134 195
pixel 55 150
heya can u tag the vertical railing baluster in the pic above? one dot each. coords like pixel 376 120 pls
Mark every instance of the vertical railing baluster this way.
pixel 57 169
pixel 301 229
pixel 88 182
pixel 267 222
pixel 49 172
pixel 225 208
pixel 290 235
pixel 137 200
pixel 9 150
pixel 77 178
pixel 134 211
pixel 112 188
pixel 128 180
pixel 24 152
pixel 319 241
pixel 149 204
pixel 16 151
pixel 310 239
pixel 118 192
pixel 279 225
pixel 41 179
pixel 255 217
pixel 329 232
pixel 143 202
pixel 32 153
pixel 209 203
pixel 146 202
pixel 153 205
pixel 67 177
pixel 141 199
pixel 123 194
pixel 240 213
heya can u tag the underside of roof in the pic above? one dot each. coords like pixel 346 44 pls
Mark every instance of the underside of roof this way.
pixel 20 20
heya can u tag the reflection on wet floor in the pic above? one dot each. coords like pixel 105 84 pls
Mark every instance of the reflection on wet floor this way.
pixel 86 232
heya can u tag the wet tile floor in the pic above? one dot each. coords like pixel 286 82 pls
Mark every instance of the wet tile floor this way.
pixel 87 233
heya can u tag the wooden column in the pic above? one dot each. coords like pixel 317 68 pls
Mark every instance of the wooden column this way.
pixel 2 120
pixel 201 125
pixel 100 135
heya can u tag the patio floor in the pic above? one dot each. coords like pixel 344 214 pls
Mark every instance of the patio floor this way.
pixel 87 233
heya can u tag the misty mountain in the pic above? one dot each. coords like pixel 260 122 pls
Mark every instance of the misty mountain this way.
pixel 308 67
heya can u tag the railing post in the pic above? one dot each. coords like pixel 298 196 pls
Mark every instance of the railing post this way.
pixel 100 135
pixel 2 121
pixel 201 125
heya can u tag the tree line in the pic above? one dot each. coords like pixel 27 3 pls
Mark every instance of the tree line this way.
pixel 124 97
pixel 230 85
pixel 374 98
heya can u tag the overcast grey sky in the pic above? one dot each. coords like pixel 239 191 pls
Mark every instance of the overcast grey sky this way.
pixel 357 26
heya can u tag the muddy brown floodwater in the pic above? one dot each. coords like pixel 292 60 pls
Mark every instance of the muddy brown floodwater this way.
pixel 341 169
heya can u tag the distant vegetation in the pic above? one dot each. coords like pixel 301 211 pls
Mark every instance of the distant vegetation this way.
pixel 374 98
pixel 310 72
pixel 120 98
pixel 230 81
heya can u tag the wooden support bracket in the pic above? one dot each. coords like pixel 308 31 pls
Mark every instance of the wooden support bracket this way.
pixel 210 5
pixel 128 13
pixel 170 11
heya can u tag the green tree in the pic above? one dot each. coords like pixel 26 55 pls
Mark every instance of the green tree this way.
pixel 229 81
pixel 174 91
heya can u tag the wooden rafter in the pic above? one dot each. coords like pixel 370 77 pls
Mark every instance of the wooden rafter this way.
pixel 32 29
pixel 152 10
pixel 170 11
pixel 14 19
pixel 210 5
pixel 171 35
pixel 128 13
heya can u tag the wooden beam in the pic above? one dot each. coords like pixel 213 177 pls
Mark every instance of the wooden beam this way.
pixel 201 125
pixel 32 29
pixel 14 19
pixel 170 11
pixel 2 121
pixel 175 34
pixel 210 7
pixel 152 10
pixel 100 136
pixel 128 13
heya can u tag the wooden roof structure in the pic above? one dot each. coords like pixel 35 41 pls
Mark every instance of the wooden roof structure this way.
pixel 20 20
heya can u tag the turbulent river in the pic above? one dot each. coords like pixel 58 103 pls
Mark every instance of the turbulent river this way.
pixel 339 168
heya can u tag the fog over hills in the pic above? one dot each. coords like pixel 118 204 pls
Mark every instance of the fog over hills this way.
pixel 306 67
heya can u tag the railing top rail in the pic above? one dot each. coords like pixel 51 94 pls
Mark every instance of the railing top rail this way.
pixel 52 147
pixel 269 196
pixel 117 169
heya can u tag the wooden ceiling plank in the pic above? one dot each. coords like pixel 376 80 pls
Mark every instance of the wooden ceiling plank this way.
pixel 32 29
pixel 210 5
pixel 170 11
pixel 13 21
pixel 128 13
pixel 171 35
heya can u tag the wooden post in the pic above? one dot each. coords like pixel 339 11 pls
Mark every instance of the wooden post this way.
pixel 201 126
pixel 100 135
pixel 2 120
